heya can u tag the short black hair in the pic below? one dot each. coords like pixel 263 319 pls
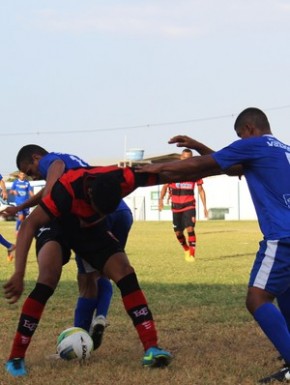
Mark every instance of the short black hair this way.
pixel 26 152
pixel 187 150
pixel 255 116
pixel 106 193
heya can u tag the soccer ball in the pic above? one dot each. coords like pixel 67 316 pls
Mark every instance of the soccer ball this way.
pixel 74 343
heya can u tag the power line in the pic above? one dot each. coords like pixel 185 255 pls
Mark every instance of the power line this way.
pixel 179 122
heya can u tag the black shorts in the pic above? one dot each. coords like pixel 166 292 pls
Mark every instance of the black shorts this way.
pixel 93 244
pixel 53 232
pixel 184 219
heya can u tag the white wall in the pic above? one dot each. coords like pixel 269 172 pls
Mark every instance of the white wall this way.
pixel 221 192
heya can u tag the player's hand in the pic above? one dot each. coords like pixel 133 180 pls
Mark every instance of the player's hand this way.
pixel 184 141
pixel 9 211
pixel 13 288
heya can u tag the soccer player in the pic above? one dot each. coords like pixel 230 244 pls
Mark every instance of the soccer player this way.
pixel 265 162
pixel 40 164
pixel 8 245
pixel 89 194
pixel 183 206
pixel 22 190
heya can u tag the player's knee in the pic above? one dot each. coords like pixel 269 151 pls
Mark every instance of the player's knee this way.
pixel 118 267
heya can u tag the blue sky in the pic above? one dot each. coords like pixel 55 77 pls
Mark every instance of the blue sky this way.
pixel 94 78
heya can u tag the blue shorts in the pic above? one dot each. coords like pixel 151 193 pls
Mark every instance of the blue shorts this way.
pixel 24 212
pixel 119 223
pixel 271 269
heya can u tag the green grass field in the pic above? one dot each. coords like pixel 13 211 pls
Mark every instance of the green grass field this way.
pixel 198 308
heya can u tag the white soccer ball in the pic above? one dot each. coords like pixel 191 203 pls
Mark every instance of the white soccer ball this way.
pixel 74 343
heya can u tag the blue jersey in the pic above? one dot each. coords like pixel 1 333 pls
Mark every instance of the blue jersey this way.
pixel 70 161
pixel 266 164
pixel 1 177
pixel 22 188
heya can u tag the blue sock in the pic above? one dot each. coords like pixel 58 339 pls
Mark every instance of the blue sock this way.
pixel 4 242
pixel 274 326
pixel 105 292
pixel 84 312
pixel 18 223
pixel 283 301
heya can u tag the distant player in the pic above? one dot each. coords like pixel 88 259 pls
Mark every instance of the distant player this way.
pixel 8 245
pixel 183 206
pixel 22 190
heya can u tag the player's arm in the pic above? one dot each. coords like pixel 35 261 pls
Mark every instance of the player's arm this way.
pixel 31 192
pixel 202 149
pixel 203 199
pixel 194 168
pixel 163 192
pixel 13 288
pixel 3 189
pixel 186 141
pixel 55 171
pixel 30 202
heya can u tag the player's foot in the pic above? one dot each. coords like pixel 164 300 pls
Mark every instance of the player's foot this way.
pixel 155 357
pixel 16 367
pixel 97 330
pixel 283 375
pixel 188 257
pixel 11 251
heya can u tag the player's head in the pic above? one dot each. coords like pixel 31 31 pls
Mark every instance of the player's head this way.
pixel 21 175
pixel 105 193
pixel 28 158
pixel 252 122
pixel 186 153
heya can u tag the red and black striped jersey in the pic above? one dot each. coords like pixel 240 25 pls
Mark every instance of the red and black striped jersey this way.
pixel 69 193
pixel 182 195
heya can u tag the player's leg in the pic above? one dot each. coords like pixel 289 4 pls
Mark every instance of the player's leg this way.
pixel 178 228
pixel 9 246
pixel 270 278
pixel 283 301
pixel 119 223
pixel 118 268
pixel 19 220
pixel 50 267
pixel 189 223
pixel 95 295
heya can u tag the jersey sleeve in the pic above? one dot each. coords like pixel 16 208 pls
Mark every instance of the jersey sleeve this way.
pixel 239 152
pixel 45 162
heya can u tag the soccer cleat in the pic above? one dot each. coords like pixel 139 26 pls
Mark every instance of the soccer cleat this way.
pixel 188 257
pixel 97 330
pixel 16 367
pixel 282 376
pixel 10 251
pixel 155 357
